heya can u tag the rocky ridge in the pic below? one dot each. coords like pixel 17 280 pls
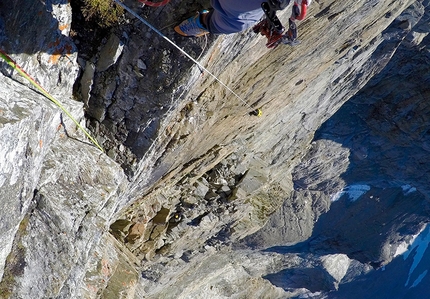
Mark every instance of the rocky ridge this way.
pixel 189 174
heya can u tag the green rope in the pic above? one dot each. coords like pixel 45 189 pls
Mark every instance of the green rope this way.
pixel 46 94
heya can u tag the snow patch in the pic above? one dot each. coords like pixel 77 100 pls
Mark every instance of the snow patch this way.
pixel 353 192
pixel 419 246
pixel 403 247
pixel 407 189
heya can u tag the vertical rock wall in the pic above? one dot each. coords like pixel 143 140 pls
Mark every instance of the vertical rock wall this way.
pixel 188 171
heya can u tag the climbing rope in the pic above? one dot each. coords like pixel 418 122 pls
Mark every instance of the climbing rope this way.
pixel 256 112
pixel 154 4
pixel 15 66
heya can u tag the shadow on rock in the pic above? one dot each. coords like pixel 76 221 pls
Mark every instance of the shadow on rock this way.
pixel 129 92
pixel 367 229
pixel 38 30
pixel 313 279
pixel 386 129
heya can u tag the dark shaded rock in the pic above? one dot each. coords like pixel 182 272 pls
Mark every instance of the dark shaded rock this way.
pixel 313 279
pixel 162 216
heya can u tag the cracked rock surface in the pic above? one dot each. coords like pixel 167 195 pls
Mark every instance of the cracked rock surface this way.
pixel 323 196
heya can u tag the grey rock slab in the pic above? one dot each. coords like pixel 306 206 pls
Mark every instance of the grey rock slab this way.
pixel 27 127
pixel 110 53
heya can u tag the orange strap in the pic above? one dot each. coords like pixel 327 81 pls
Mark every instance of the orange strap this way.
pixel 154 4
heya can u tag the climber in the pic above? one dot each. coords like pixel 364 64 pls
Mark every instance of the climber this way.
pixel 227 16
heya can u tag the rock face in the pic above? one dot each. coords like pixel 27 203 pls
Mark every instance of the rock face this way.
pixel 324 196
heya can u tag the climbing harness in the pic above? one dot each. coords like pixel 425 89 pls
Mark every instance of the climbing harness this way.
pixel 154 4
pixel 259 113
pixel 15 66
